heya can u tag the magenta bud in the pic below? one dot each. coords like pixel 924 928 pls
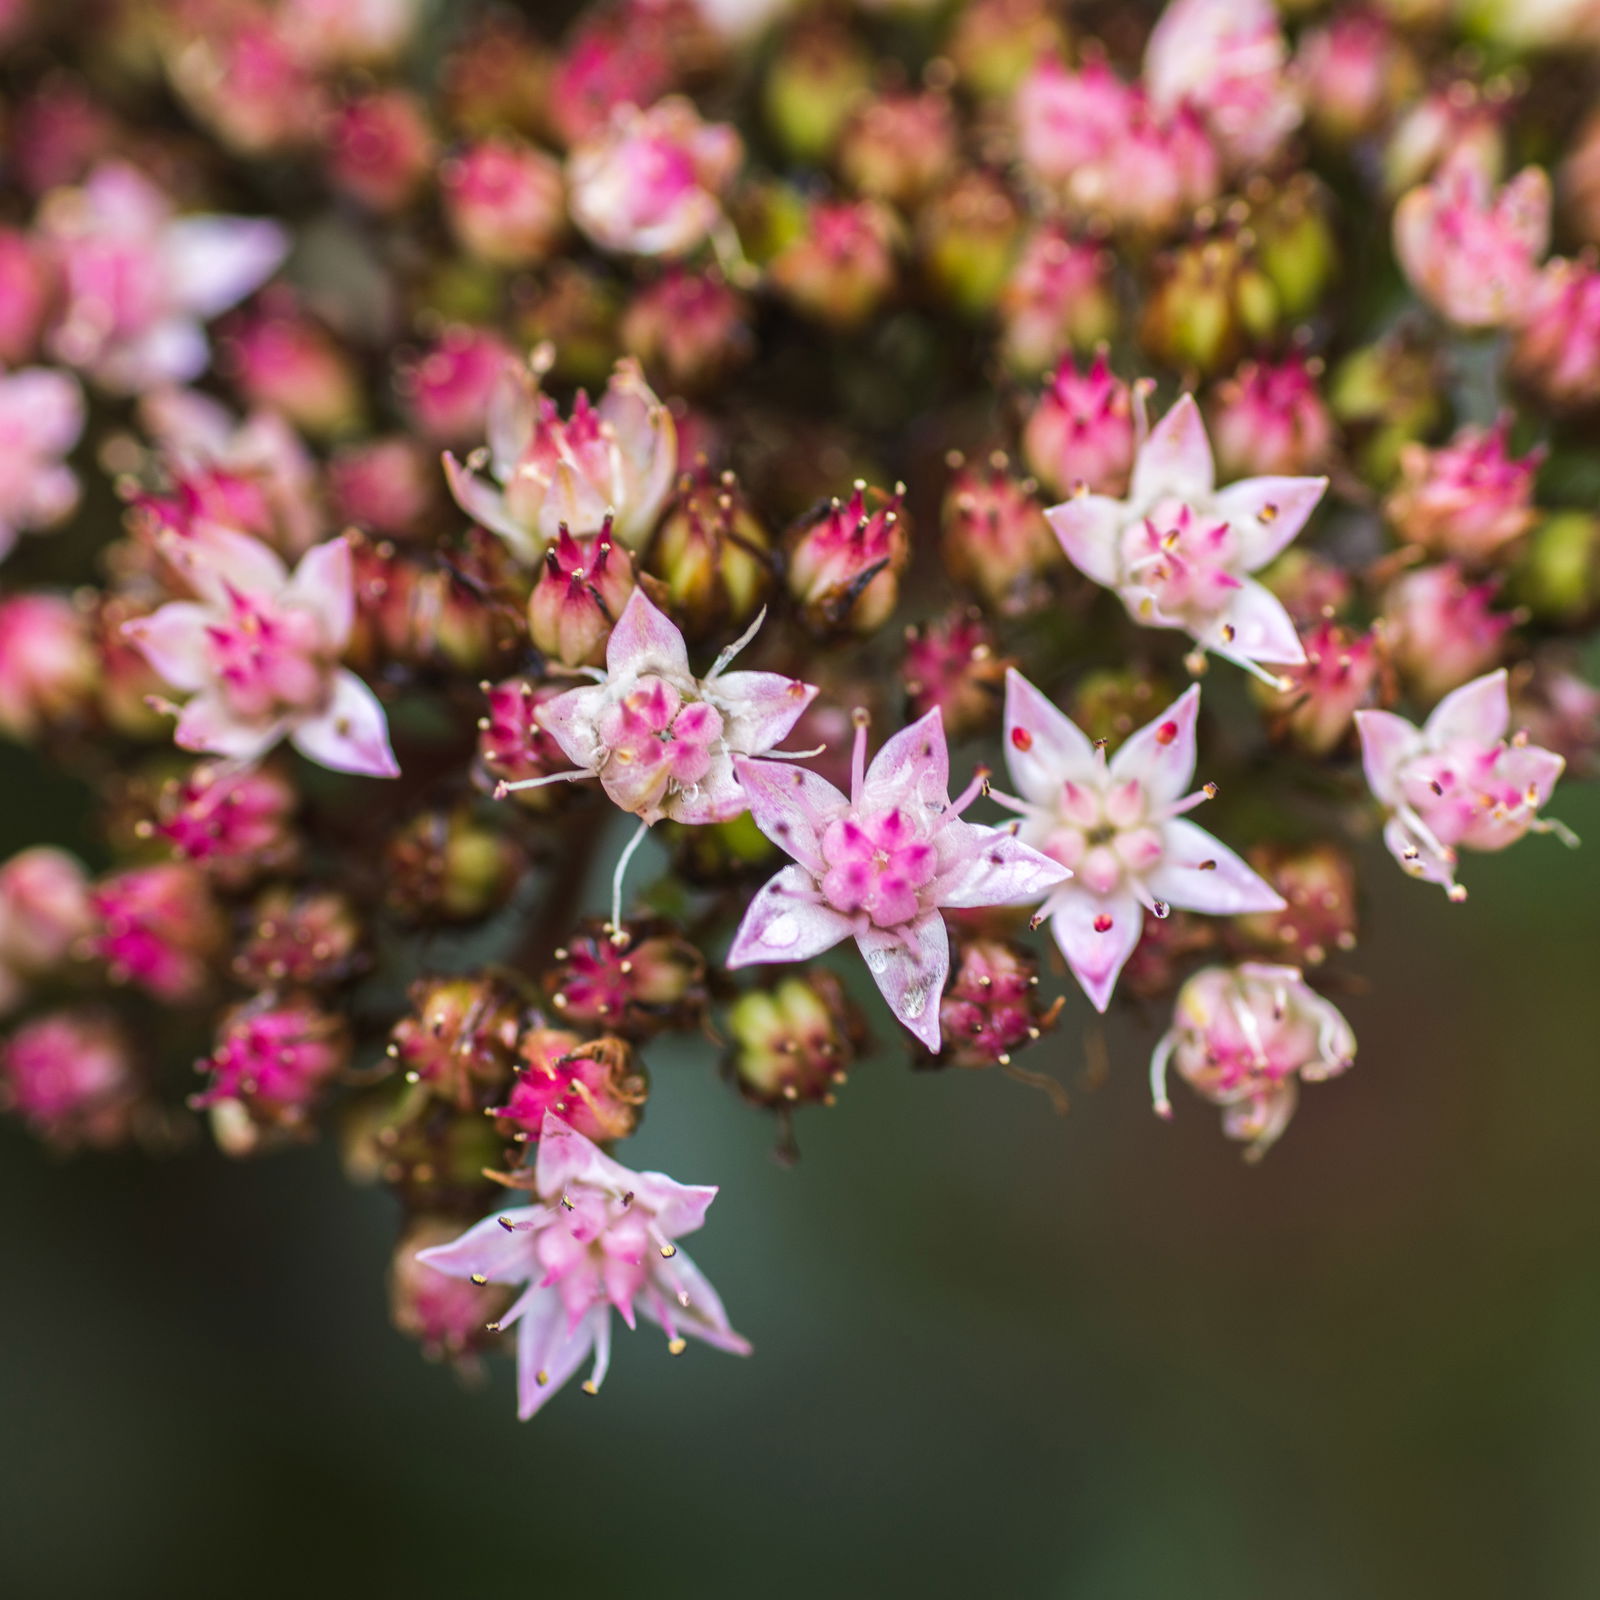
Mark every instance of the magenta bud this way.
pixel 505 201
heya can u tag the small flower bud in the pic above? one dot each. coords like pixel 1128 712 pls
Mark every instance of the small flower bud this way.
pixel 504 201
pixel 994 44
pixel 1269 420
pixel 236 825
pixel 996 540
pixel 446 388
pixel 157 927
pixel 597 1088
pixel 653 981
pixel 274 1057
pixel 579 596
pixel 305 937
pixel 281 360
pixel 512 747
pixel 450 866
pixel 1210 299
pixel 968 234
pixel 384 486
pixel 952 663
pixel 898 146
pixel 840 267
pixel 458 1039
pixel 793 1043
pixel 24 296
pixel 1319 883
pixel 48 670
pixel 495 77
pixel 1341 674
pixel 991 1007
pixel 1471 498
pixel 449 1317
pixel 45 911
pixel 818 76
pixel 1440 630
pixel 1356 69
pixel 70 1077
pixel 1561 712
pixel 845 561
pixel 380 148
pixel 615 56
pixel 1058 298
pixel 712 555
pixel 1310 586
pixel 1555 351
pixel 1081 430
pixel 688 328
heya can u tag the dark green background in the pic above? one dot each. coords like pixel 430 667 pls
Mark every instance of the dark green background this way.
pixel 997 1354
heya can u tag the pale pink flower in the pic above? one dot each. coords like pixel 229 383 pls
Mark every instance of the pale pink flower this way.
pixel 879 865
pixel 1119 826
pixel 1245 1038
pixel 25 288
pixel 1556 348
pixel 1457 782
pixel 1270 417
pixel 1442 630
pixel 662 742
pixel 44 912
pixel 449 388
pixel 139 282
pixel 1472 251
pixel 541 472
pixel 1226 59
pixel 650 182
pixel 1179 552
pixel 601 1237
pixel 259 650
pixel 41 416
pixel 1471 498
pixel 504 201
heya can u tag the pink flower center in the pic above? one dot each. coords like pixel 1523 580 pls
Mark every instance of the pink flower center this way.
pixel 1105 834
pixel 657 740
pixel 1182 561
pixel 876 864
pixel 268 661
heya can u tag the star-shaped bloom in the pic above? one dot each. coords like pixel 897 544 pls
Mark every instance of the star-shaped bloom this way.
pixel 663 742
pixel 878 866
pixel 1120 826
pixel 258 651
pixel 1179 551
pixel 600 1238
pixel 1457 782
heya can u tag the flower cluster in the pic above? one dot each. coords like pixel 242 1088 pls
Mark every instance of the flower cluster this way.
pixel 613 421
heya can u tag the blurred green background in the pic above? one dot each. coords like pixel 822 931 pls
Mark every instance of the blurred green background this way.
pixel 997 1353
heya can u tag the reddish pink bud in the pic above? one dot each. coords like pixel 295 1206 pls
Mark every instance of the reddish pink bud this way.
pixel 1081 430
pixel 24 296
pixel 1058 298
pixel 618 55
pixel 597 1088
pixel 451 1318
pixel 459 1037
pixel 688 328
pixel 385 486
pixel 309 936
pixel 70 1077
pixel 513 748
pixel 792 1044
pixel 157 927
pixel 1471 498
pixel 274 1058
pixel 237 825
pixel 1341 675
pixel 1440 629
pixel 59 132
pixel 1318 885
pixel 1270 419
pixel 380 148
pixel 952 663
pixel 845 560
pixel 1461 118
pixel 447 387
pixel 840 266
pixel 1355 70
pixel 654 980
pixel 246 80
pixel 991 1007
pixel 44 913
pixel 899 146
pixel 1556 348
pixel 281 359
pixel 505 201
pixel 579 596
pixel 48 669
pixel 996 539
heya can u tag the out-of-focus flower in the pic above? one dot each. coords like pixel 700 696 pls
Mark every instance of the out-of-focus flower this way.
pixel 650 183
pixel 58 132
pixel 818 76
pixel 578 598
pixel 48 667
pixel 898 146
pixel 608 464
pixel 449 388
pixel 1341 674
pixel 281 359
pixel 139 282
pixel 380 148
pixel 1470 250
pixel 793 1044
pixel 259 651
pixel 1057 298
pixel 1560 711
pixel 274 1058
pixel 245 78
pixel 505 201
pixel 691 327
pixel 617 56
pixel 953 663
pixel 350 33
pixel 1179 552
pixel 1119 827
pixel 662 742
pixel 995 43
pixel 1458 782
pixel 1270 418
pixel 880 865
pixel 840 265
pixel 1245 1038
pixel 1211 300
pixel 25 289
pixel 1471 498
pixel 237 825
pixel 600 1236
pixel 450 865
pixel 1355 68
pixel 1081 430
pixel 448 1317
pixel 996 539
pixel 157 927
pixel 844 560
pixel 597 1088
pixel 1319 884
pixel 385 485
pixel 1459 120
pixel 458 1039
pixel 1227 60
pixel 41 416
pixel 44 913
pixel 967 236
pixel 1440 629
pixel 307 937
pixel 70 1077
pixel 1556 348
